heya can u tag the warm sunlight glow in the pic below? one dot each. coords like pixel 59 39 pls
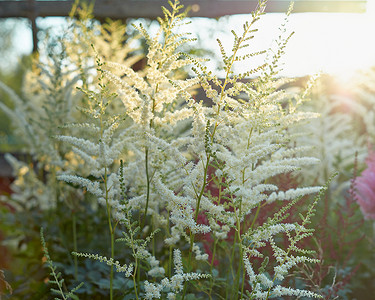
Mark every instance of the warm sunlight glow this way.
pixel 334 43
pixel 338 44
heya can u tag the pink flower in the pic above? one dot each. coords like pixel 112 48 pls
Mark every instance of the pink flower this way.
pixel 365 188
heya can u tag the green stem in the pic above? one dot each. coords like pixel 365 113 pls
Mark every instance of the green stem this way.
pixel 138 277
pixel 134 281
pixel 212 265
pixel 203 187
pixel 148 189
pixel 192 235
pixel 74 219
pixel 189 262
pixel 105 179
pixel 243 279
pixel 231 266
pixel 170 262
pixel 112 256
pixel 236 286
pixel 112 233
pixel 229 67
pixel 255 217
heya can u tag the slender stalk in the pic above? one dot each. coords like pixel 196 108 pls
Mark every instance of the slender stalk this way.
pixel 255 217
pixel 74 225
pixel 211 266
pixel 233 250
pixel 138 278
pixel 192 235
pixel 147 189
pixel 170 262
pixel 108 207
pixel 134 281
pixel 112 256
pixel 236 286
pixel 112 233
pixel 237 282
pixel 203 187
pixel 168 229
pixel 136 267
pixel 105 180
pixel 243 279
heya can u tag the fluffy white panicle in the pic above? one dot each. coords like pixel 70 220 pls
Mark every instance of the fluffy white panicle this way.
pixel 249 269
pixel 256 278
pixel 282 270
pixel 297 117
pixel 137 202
pixel 251 196
pixel 292 152
pixel 177 261
pixel 175 236
pixel 169 149
pixel 267 233
pixel 261 281
pixel 199 128
pixel 113 184
pixel 279 291
pixel 86 145
pixel 221 233
pixel 92 186
pixel 173 285
pixel 156 270
pixel 133 78
pixel 132 102
pixel 271 168
pixel 249 156
pixel 198 253
pixel 127 269
pixel 152 290
pixel 194 179
pixel 91 164
pixel 181 212
pixel 293 193
pixel 218 211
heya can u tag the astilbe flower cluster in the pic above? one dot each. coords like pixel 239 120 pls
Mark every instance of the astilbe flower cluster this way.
pixel 174 150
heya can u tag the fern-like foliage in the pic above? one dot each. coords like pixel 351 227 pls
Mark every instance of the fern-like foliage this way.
pixel 172 286
pixel 56 277
pixel 263 286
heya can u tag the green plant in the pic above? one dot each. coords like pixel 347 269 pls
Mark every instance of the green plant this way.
pixel 155 170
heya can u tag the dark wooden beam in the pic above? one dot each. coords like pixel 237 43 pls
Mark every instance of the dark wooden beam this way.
pixel 34 29
pixel 121 9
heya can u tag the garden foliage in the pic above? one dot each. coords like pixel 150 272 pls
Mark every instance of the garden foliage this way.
pixel 144 189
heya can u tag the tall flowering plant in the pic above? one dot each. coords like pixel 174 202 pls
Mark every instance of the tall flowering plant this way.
pixel 166 169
